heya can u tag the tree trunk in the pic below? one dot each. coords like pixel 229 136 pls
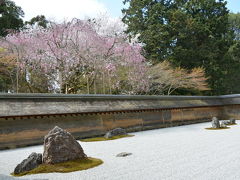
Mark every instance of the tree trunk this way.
pixel 94 85
pixel 17 75
pixel 109 82
pixel 60 81
pixel 88 88
pixel 66 89
pixel 103 83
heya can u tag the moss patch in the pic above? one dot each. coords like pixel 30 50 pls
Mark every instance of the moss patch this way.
pixel 218 128
pixel 64 167
pixel 105 139
pixel 232 124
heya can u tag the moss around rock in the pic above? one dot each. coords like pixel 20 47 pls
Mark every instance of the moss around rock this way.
pixel 232 124
pixel 221 128
pixel 64 167
pixel 105 139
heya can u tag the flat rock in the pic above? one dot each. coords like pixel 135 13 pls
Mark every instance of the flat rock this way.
pixel 61 146
pixel 229 122
pixel 115 132
pixel 226 122
pixel 33 161
pixel 123 154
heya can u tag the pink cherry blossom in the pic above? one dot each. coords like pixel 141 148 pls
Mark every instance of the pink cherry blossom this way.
pixel 62 48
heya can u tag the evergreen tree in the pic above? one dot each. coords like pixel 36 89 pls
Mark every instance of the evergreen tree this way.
pixel 39 20
pixel 10 17
pixel 188 33
pixel 233 57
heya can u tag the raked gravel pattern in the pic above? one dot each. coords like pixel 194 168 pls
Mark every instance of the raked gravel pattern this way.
pixel 179 153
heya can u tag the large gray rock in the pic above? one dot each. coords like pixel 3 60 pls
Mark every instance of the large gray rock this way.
pixel 115 132
pixel 60 146
pixel 33 161
pixel 215 123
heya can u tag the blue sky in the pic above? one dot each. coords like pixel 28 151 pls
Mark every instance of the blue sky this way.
pixel 59 9
pixel 115 6
pixel 233 5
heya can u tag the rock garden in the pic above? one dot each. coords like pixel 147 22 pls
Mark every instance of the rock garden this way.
pixel 62 153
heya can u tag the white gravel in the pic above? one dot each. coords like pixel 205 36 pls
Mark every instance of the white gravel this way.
pixel 178 153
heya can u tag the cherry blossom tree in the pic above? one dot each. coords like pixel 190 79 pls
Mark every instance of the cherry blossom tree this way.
pixel 64 50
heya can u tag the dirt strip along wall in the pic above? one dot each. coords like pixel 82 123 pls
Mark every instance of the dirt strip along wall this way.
pixel 24 121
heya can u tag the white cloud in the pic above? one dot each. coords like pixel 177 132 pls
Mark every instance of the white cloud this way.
pixel 61 9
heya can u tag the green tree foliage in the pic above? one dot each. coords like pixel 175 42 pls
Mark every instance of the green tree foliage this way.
pixel 232 58
pixel 39 20
pixel 10 17
pixel 234 20
pixel 231 74
pixel 188 33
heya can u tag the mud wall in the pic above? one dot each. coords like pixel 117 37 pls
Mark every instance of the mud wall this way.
pixel 25 119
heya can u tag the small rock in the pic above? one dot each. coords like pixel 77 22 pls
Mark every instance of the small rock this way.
pixel 223 124
pixel 61 146
pixel 215 123
pixel 33 161
pixel 115 132
pixel 232 121
pixel 226 122
pixel 123 154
